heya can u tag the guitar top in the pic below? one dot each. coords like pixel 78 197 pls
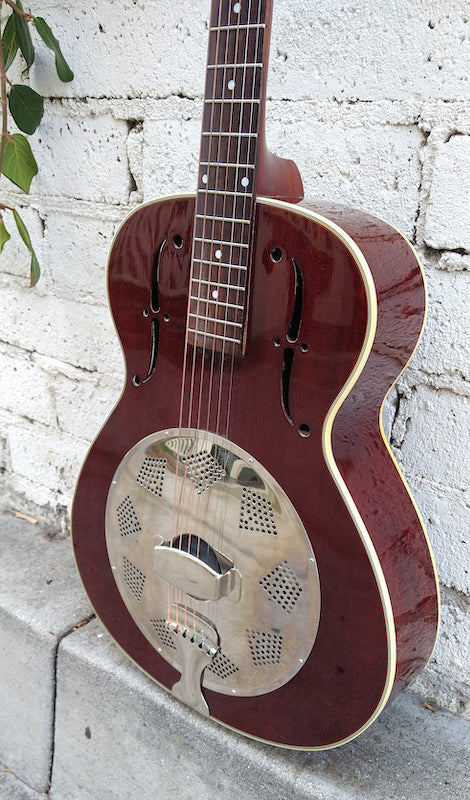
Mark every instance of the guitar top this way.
pixel 240 523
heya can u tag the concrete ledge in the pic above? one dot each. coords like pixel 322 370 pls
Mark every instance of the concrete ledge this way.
pixel 41 600
pixel 11 788
pixel 70 697
pixel 120 735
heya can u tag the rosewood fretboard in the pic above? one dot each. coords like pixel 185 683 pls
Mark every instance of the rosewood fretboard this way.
pixel 233 113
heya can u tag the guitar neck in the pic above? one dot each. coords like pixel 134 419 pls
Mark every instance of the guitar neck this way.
pixel 233 121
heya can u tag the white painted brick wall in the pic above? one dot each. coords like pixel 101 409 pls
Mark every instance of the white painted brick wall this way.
pixel 372 100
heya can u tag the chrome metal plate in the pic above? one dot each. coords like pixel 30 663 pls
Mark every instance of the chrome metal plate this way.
pixel 198 531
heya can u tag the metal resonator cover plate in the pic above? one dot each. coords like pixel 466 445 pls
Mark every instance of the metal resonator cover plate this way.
pixel 202 540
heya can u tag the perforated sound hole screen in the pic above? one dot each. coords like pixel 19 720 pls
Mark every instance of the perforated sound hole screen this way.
pixel 265 647
pixel 127 518
pixel 256 513
pixel 222 666
pixel 151 475
pixel 161 629
pixel 204 471
pixel 282 586
pixel 134 578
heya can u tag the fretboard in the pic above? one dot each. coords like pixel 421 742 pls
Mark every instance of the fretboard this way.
pixel 232 113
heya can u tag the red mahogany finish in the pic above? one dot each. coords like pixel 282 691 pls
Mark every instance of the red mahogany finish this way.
pixel 359 312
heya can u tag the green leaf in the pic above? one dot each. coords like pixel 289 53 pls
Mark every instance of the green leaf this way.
pixel 35 269
pixel 9 43
pixel 63 70
pixel 23 37
pixel 19 164
pixel 4 235
pixel 26 106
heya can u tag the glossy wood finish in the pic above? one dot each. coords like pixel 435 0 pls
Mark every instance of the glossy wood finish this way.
pixel 352 669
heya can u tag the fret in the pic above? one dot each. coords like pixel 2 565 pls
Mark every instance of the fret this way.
pixel 213 263
pixel 237 13
pixel 243 135
pixel 217 304
pixel 229 149
pixel 206 334
pixel 230 194
pixel 236 45
pixel 231 100
pixel 226 164
pixel 225 205
pixel 228 297
pixel 216 243
pixel 220 115
pixel 216 285
pixel 214 320
pixel 253 25
pixel 229 220
pixel 245 65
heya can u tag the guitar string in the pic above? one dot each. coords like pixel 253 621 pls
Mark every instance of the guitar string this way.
pixel 219 512
pixel 230 173
pixel 209 240
pixel 181 491
pixel 194 426
pixel 249 198
pixel 223 177
pixel 247 201
pixel 209 348
pixel 240 170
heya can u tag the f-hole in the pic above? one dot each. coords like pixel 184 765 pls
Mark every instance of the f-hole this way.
pixel 154 296
pixel 297 306
pixel 287 362
pixel 155 333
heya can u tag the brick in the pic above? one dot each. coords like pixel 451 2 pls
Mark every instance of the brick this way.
pixel 434 422
pixel 76 252
pixel 449 191
pixel 70 331
pixel 85 159
pixel 83 406
pixel 163 173
pixel 445 514
pixel 45 462
pixel 374 167
pixel 382 50
pixel 454 640
pixel 443 350
pixel 24 388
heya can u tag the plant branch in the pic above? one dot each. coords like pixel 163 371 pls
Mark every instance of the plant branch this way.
pixel 3 95
pixel 24 14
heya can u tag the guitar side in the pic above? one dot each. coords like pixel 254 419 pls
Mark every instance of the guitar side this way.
pixel 389 512
pixel 377 621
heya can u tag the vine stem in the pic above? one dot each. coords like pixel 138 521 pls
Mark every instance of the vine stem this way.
pixel 24 14
pixel 3 100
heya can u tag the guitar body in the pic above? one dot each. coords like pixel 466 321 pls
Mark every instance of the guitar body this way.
pixel 335 309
